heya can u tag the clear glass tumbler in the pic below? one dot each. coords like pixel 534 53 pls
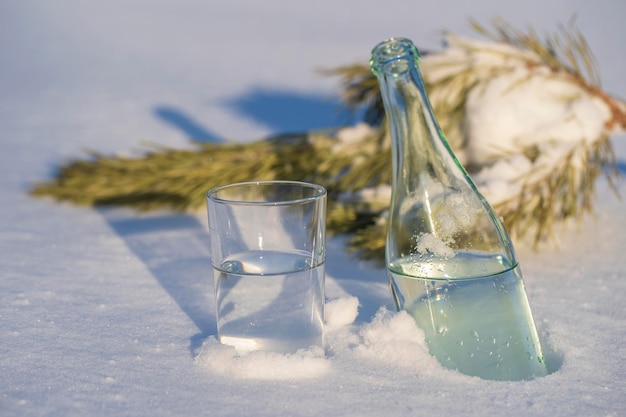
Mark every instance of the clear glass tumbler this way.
pixel 268 255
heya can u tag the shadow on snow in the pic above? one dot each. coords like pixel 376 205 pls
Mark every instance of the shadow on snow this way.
pixel 285 111
pixel 280 111
pixel 175 249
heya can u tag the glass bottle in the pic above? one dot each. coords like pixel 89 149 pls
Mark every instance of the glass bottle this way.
pixel 450 262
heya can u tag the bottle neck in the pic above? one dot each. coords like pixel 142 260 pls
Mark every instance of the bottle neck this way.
pixel 419 147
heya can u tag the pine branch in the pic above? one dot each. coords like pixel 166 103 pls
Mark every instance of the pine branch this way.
pixel 566 193
pixel 179 179
pixel 566 50
pixel 175 178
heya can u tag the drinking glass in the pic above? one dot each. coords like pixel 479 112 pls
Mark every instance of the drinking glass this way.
pixel 268 255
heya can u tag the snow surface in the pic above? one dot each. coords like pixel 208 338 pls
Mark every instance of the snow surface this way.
pixel 108 312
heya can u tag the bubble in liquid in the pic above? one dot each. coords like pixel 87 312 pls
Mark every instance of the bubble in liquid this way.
pixel 233 267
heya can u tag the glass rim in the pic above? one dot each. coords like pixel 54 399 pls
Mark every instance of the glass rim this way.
pixel 320 190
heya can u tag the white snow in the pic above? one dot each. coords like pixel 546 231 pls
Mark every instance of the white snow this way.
pixel 429 243
pixel 521 107
pixel 351 134
pixel 110 312
pixel 553 111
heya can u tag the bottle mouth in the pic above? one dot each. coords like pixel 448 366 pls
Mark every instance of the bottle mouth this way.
pixel 391 56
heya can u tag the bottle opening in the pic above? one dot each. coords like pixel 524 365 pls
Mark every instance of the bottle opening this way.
pixel 392 56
